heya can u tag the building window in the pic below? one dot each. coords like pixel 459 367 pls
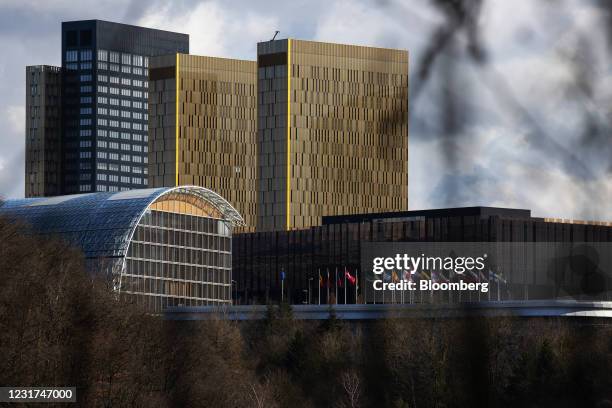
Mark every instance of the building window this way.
pixel 125 136
pixel 86 89
pixel 101 177
pixel 85 132
pixel 102 111
pixel 126 103
pixel 102 88
pixel 114 57
pixel 103 65
pixel 85 155
pixel 125 179
pixel 101 144
pixel 72 55
pixel 102 55
pixel 114 101
pixel 85 122
pixel 102 155
pixel 102 122
pixel 101 187
pixel 84 188
pixel 85 55
pixel 101 165
pixel 137 60
pixel 85 99
pixel 85 111
pixel 125 146
pixel 127 82
pixel 102 100
pixel 114 123
pixel 114 67
pixel 125 169
pixel 102 78
pixel 126 69
pixel 85 65
pixel 114 91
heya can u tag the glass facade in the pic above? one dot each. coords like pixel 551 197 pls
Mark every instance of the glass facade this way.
pixel 206 107
pixel 165 246
pixel 332 131
pixel 105 102
pixel 259 258
pixel 43 131
pixel 178 259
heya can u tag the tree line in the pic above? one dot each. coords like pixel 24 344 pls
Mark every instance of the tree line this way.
pixel 61 326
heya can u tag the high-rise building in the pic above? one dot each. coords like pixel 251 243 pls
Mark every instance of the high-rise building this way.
pixel 202 127
pixel 332 132
pixel 43 131
pixel 104 102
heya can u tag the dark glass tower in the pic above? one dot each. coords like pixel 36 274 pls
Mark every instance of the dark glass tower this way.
pixel 105 102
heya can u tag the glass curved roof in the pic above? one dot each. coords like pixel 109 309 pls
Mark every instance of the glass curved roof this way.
pixel 102 223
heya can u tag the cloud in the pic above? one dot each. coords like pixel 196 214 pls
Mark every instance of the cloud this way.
pixel 532 131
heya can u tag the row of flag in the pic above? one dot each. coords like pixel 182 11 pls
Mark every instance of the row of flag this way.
pixel 393 276
pixel 328 283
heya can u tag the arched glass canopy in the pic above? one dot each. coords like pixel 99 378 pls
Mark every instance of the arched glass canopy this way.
pixel 102 224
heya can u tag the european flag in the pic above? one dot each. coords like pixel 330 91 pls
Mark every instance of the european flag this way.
pixel 282 275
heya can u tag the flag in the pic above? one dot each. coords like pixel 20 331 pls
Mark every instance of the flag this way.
pixel 498 278
pixel 339 282
pixel 282 275
pixel 352 279
pixel 320 280
pixel 425 274
pixel 394 277
pixel 386 277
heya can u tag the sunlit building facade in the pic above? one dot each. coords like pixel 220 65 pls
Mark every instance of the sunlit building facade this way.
pixel 160 247
pixel 202 127
pixel 332 132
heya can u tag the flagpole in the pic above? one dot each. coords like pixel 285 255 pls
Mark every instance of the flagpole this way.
pixel 327 285
pixel 356 282
pixel 345 285
pixel 282 286
pixel 320 281
pixel 336 285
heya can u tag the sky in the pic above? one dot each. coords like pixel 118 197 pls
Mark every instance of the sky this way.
pixel 522 122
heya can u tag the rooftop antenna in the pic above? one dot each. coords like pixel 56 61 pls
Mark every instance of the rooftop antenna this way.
pixel 275 34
